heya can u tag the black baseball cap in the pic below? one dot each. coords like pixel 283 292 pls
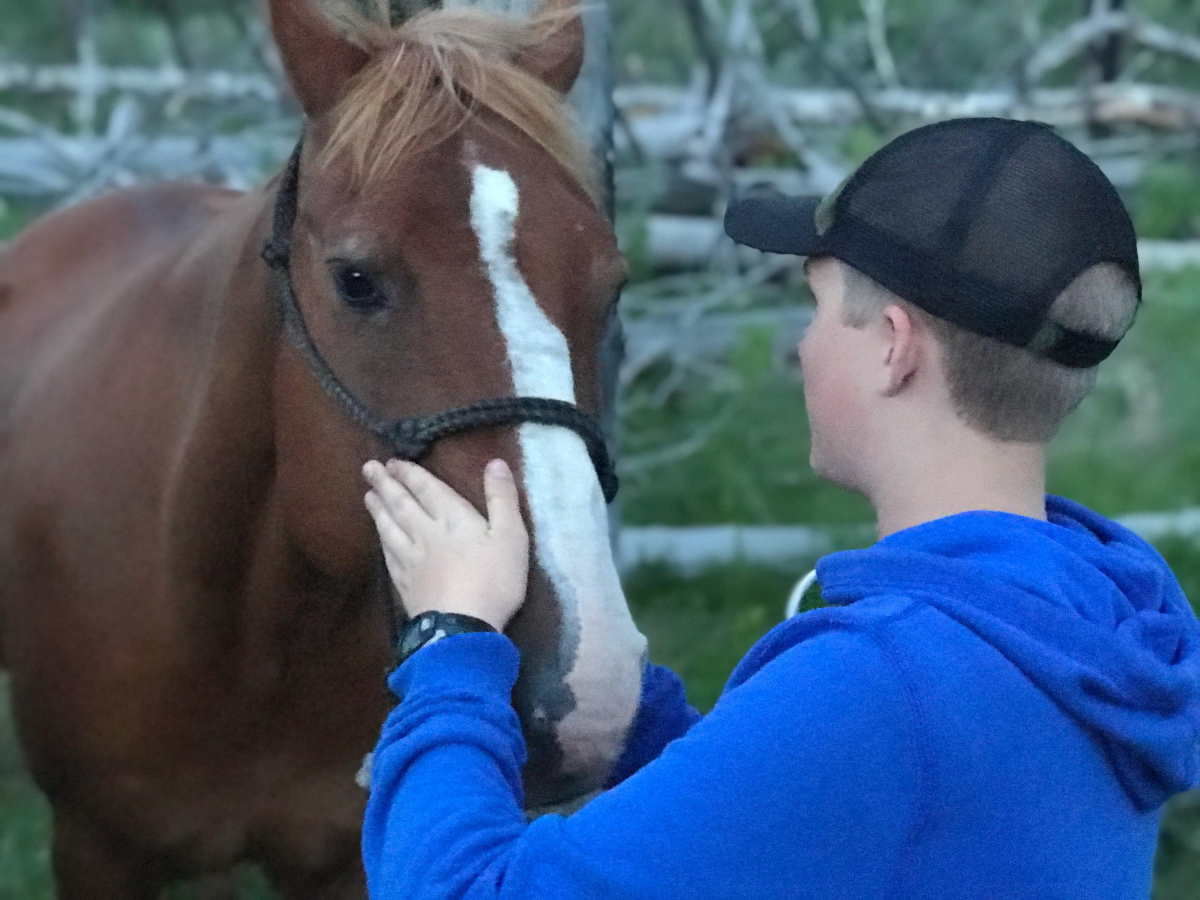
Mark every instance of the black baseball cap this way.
pixel 980 222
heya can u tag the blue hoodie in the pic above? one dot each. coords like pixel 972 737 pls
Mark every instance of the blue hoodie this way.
pixel 992 707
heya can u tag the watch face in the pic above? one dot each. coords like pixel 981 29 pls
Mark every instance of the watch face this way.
pixel 423 630
pixel 431 627
pixel 416 634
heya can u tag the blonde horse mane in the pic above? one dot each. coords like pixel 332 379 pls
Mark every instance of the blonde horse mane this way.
pixel 427 78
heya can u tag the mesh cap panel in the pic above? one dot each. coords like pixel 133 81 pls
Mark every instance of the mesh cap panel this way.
pixel 981 222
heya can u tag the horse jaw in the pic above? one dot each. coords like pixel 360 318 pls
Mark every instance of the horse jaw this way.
pixel 599 641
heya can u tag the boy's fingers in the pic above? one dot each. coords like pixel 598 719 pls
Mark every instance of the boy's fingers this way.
pixel 503 501
pixel 390 531
pixel 396 567
pixel 396 497
pixel 433 494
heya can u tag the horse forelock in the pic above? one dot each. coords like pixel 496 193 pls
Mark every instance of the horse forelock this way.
pixel 431 76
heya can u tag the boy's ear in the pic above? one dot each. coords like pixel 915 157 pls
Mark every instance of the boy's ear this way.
pixel 558 59
pixel 319 60
pixel 903 349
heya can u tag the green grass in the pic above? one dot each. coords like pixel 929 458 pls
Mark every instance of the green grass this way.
pixel 754 469
pixel 701 627
pixel 15 215
pixel 24 819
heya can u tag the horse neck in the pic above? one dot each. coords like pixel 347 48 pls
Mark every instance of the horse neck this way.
pixel 233 494
pixel 219 478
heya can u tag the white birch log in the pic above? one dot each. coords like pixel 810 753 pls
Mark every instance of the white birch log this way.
pixel 695 242
pixel 695 548
pixel 1105 23
pixel 664 120
pixel 151 82
pixel 54 166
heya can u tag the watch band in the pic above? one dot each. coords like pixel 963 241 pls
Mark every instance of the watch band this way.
pixel 431 627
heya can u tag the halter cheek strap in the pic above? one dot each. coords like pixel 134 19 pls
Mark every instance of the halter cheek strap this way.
pixel 411 439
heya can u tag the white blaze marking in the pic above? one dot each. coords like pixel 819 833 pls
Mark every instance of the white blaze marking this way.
pixel 570 520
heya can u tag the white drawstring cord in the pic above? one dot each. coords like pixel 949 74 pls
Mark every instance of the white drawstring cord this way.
pixel 798 592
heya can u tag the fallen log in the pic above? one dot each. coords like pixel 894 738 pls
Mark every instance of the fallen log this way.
pixel 663 122
pixel 141 81
pixel 714 335
pixel 663 118
pixel 695 242
pixel 695 548
pixel 53 166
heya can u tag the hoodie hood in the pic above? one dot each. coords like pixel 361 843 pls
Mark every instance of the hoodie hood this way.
pixel 1086 609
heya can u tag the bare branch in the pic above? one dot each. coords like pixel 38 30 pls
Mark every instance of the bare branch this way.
pixel 664 118
pixel 257 36
pixel 701 24
pixel 142 81
pixel 1083 34
pixel 807 20
pixel 808 17
pixel 174 23
pixel 885 64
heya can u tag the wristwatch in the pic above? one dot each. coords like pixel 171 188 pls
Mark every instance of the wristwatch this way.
pixel 430 627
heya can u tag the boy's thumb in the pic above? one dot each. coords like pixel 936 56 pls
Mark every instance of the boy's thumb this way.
pixel 503 501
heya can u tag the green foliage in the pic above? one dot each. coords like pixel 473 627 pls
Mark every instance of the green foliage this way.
pixel 702 626
pixel 15 215
pixel 1134 444
pixel 1168 202
pixel 753 469
pixel 24 819
pixel 1177 863
pixel 24 841
pixel 632 234
pixel 37 30
pixel 653 39
pixel 860 143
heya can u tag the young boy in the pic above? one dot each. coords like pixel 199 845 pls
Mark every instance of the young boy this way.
pixel 1004 689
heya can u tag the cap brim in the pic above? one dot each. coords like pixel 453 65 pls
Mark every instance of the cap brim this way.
pixel 775 224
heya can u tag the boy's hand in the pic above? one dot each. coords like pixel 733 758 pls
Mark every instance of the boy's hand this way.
pixel 441 553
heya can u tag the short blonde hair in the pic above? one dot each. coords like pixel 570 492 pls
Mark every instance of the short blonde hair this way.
pixel 1008 392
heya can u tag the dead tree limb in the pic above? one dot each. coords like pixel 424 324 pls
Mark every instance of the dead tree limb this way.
pixel 1081 36
pixel 806 19
pixel 875 12
pixel 701 25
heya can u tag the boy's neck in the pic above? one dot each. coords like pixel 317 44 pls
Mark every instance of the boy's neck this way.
pixel 960 476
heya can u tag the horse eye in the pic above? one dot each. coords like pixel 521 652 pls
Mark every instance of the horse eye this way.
pixel 358 290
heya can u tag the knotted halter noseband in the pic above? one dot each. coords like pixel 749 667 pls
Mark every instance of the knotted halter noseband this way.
pixel 411 439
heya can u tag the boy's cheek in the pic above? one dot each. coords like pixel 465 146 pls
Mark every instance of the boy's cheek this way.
pixel 831 393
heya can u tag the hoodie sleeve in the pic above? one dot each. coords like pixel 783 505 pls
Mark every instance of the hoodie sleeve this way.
pixel 805 780
pixel 663 715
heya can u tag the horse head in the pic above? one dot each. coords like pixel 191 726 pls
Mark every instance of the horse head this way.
pixel 447 247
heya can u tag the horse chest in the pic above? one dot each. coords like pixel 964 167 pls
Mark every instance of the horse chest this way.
pixel 292 818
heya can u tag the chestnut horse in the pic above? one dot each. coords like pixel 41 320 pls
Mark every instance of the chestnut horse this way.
pixel 193 606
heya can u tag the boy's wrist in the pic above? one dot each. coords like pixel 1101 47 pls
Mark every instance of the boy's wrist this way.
pixel 433 626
